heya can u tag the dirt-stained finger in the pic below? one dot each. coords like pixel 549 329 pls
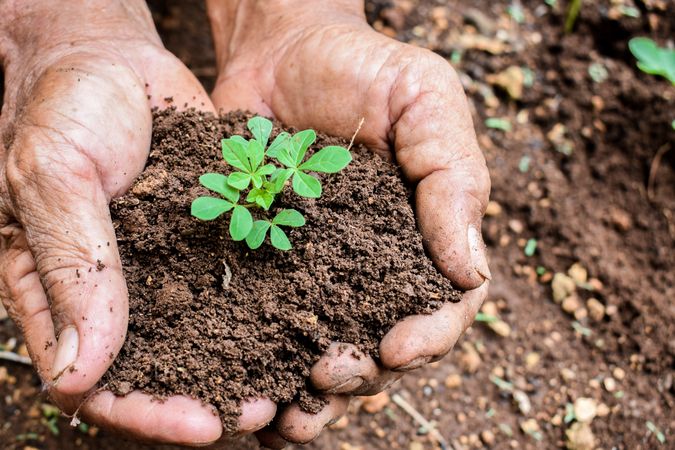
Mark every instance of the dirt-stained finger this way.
pixel 418 340
pixel 299 427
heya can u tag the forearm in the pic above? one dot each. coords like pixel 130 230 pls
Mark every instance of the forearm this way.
pixel 235 23
pixel 36 27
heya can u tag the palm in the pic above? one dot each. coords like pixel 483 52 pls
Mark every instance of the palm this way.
pixel 80 136
pixel 329 76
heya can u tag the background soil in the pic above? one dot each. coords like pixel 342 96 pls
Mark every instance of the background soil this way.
pixel 572 173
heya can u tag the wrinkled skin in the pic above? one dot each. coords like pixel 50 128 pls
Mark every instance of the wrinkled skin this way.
pixel 75 131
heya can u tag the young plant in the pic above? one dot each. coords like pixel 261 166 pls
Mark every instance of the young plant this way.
pixel 258 180
pixel 653 59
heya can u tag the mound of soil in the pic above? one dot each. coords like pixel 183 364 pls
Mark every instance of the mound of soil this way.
pixel 211 319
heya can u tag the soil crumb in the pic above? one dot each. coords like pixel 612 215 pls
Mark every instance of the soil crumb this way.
pixel 211 319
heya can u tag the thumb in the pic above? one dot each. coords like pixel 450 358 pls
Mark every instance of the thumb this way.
pixel 58 198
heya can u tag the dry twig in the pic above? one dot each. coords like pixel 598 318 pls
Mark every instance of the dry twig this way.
pixel 351 143
pixel 419 418
pixel 13 357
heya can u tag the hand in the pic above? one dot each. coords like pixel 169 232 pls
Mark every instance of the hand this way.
pixel 318 64
pixel 74 132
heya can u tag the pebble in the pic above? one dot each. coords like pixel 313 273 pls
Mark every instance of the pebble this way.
pixel 501 328
pixel 523 401
pixel 490 308
pixel 493 209
pixel 348 446
pixel 22 350
pixel 512 80
pixel 453 381
pixel 516 226
pixel 581 313
pixel 341 424
pixel 619 373
pixel 488 437
pixel 3 312
pixel 375 403
pixel 596 310
pixel 416 445
pixel 571 304
pixel 603 410
pixel 470 359
pixel 578 273
pixel 563 286
pixel 595 384
pixel 529 426
pixel 610 384
pixel 461 417
pixel 580 437
pixel 585 409
pixel 532 359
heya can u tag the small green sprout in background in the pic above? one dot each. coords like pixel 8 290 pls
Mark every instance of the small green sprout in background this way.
pixel 658 433
pixel 569 413
pixel 572 15
pixel 515 10
pixel 259 180
pixel 653 59
pixel 524 164
pixel 530 247
pixel 497 123
pixel 487 318
pixel 598 72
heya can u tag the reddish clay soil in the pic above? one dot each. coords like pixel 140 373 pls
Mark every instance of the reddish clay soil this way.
pixel 573 174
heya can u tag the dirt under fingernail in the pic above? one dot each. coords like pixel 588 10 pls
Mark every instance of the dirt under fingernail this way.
pixel 214 320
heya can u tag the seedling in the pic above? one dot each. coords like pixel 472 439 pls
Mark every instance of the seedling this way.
pixel 572 15
pixel 653 59
pixel 258 180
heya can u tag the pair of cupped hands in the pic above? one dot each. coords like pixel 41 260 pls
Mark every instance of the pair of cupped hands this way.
pixel 80 81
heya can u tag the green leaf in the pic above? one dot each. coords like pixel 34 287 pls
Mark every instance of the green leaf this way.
pixel 257 235
pixel 306 185
pixel 257 181
pixel 239 180
pixel 498 124
pixel 653 59
pixel 209 208
pixel 261 129
pixel 241 223
pixel 234 153
pixel 277 144
pixel 331 159
pixel 301 142
pixel 285 158
pixel 256 153
pixel 279 238
pixel 267 169
pixel 261 198
pixel 218 183
pixel 279 179
pixel 290 218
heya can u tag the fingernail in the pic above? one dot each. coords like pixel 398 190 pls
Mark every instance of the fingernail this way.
pixel 350 385
pixel 414 364
pixel 66 350
pixel 478 253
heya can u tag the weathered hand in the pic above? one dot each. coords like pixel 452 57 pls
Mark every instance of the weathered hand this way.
pixel 74 132
pixel 318 64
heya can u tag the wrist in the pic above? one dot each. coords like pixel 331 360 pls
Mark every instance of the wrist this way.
pixel 260 28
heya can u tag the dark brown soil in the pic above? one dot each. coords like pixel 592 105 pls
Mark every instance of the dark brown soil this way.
pixel 214 320
pixel 590 206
